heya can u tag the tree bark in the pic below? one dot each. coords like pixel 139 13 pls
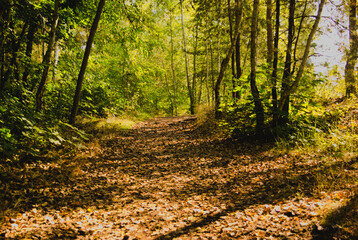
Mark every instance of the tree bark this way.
pixel 270 47
pixel 223 68
pixel 234 76
pixel 238 13
pixel 169 93
pixel 55 62
pixel 81 74
pixel 47 58
pixel 286 78
pixel 5 10
pixel 303 16
pixel 236 58
pixel 285 94
pixel 194 85
pixel 275 65
pixel 269 41
pixel 259 110
pixel 29 47
pixel 190 90
pixel 207 71
pixel 350 76
pixel 15 50
pixel 172 65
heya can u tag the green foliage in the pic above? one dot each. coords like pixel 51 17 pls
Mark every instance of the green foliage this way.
pixel 95 102
pixel 328 132
pixel 24 132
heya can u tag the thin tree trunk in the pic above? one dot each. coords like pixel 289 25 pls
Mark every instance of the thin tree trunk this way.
pixel 212 72
pixel 4 26
pixel 270 42
pixel 295 84
pixel 15 51
pixel 81 74
pixel 172 65
pixel 47 58
pixel 43 42
pixel 238 13
pixel 270 47
pixel 170 94
pixel 200 90
pixel 275 65
pixel 286 78
pixel 207 71
pixel 57 54
pixel 190 90
pixel 224 65
pixel 194 88
pixel 219 34
pixel 28 53
pixel 234 76
pixel 208 63
pixel 350 76
pixel 298 37
pixel 259 110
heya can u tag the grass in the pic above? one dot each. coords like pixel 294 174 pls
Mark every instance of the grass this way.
pixel 106 125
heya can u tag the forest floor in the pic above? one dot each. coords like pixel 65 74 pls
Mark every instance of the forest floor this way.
pixel 167 179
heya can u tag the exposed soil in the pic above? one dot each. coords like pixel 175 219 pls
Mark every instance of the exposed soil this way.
pixel 165 179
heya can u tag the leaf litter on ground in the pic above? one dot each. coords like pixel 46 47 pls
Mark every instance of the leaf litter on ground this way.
pixel 164 179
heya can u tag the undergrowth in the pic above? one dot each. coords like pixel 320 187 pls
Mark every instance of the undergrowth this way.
pixel 27 134
pixel 325 133
pixel 330 134
pixel 330 130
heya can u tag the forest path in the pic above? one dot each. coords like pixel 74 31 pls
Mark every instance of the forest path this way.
pixel 164 179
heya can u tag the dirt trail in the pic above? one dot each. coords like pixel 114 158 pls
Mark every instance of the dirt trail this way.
pixel 164 180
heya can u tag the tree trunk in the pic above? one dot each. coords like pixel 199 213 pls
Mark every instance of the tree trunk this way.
pixel 194 86
pixel 172 65
pixel 81 74
pixel 270 46
pixel 286 78
pixel 212 72
pixel 350 76
pixel 223 67
pixel 275 65
pixel 285 94
pixel 234 76
pixel 200 90
pixel 238 13
pixel 29 47
pixel 303 16
pixel 15 50
pixel 269 41
pixel 55 62
pixel 218 5
pixel 47 58
pixel 207 71
pixel 4 24
pixel 169 93
pixel 259 110
pixel 43 42
pixel 190 90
